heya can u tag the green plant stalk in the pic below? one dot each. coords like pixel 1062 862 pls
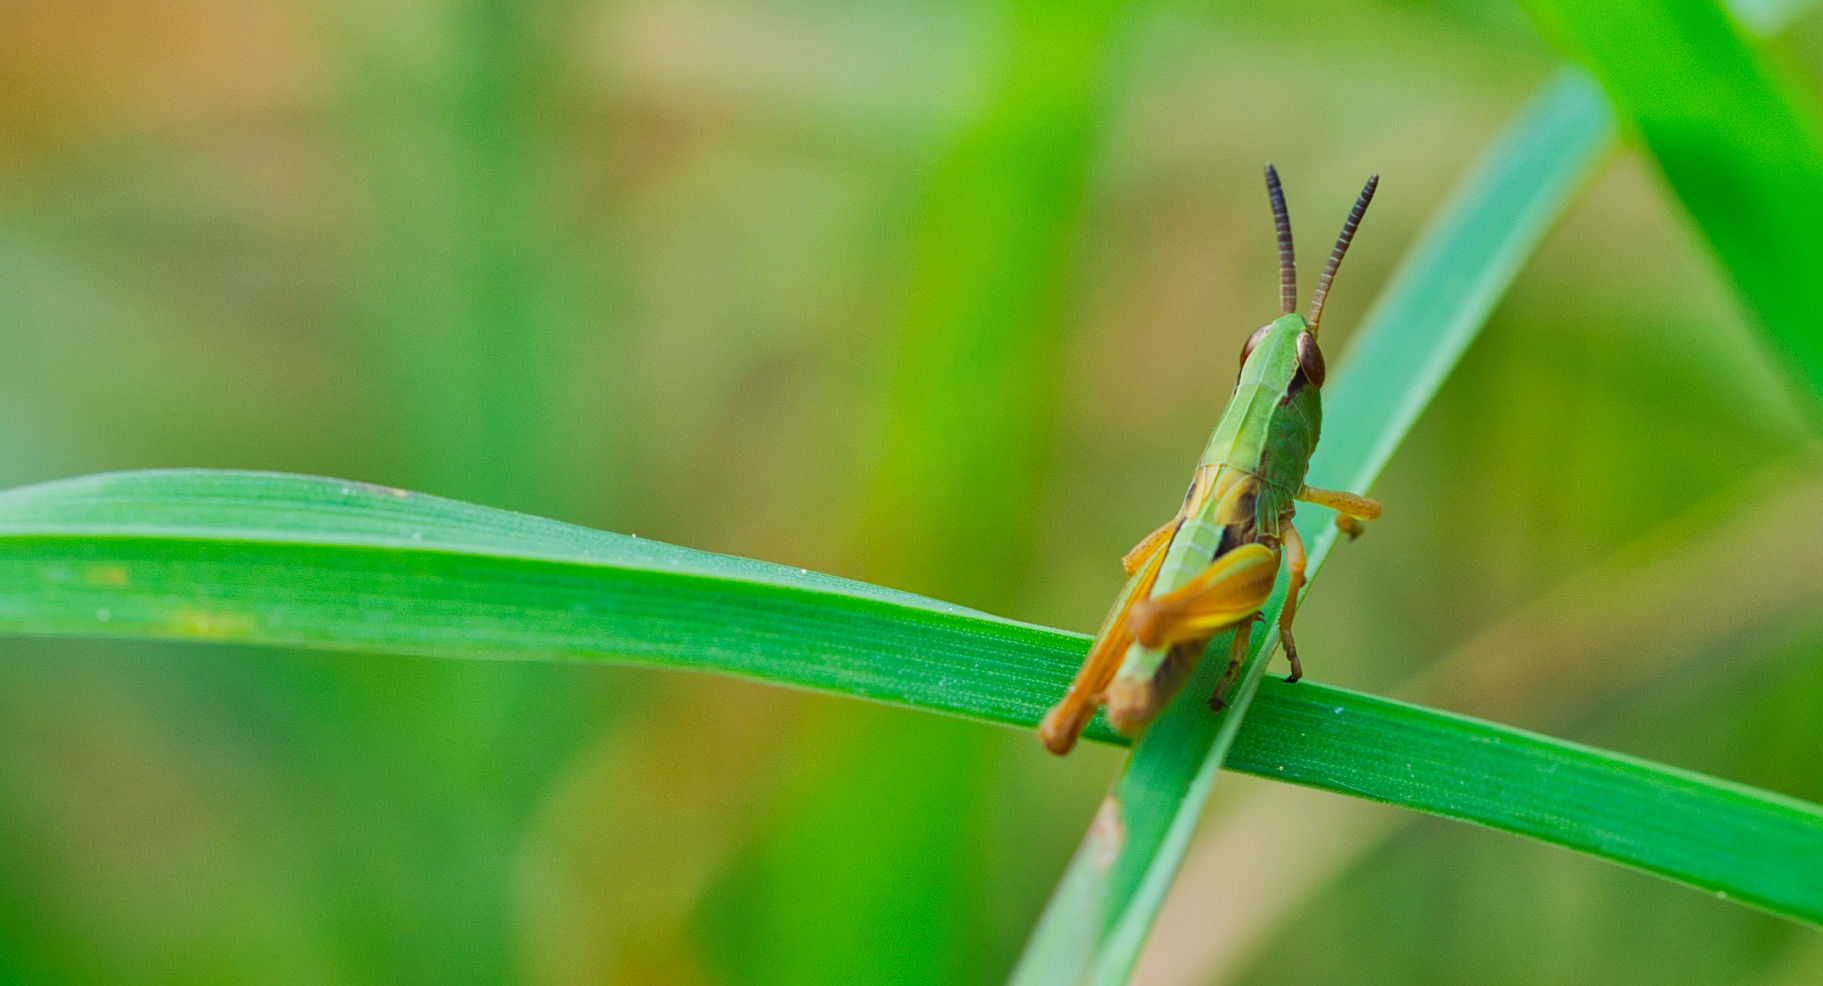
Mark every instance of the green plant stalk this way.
pixel 290 561
pixel 464 308
pixel 465 317
pixel 949 502
pixel 1098 918
pixel 1737 139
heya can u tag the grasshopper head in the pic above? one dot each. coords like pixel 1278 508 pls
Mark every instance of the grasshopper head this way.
pixel 1283 354
pixel 1286 350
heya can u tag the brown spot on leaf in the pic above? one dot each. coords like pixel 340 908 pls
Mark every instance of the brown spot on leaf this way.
pixel 1106 834
pixel 203 623
pixel 379 490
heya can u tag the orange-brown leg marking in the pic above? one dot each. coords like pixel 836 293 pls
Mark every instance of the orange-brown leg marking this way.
pixel 1065 722
pixel 1294 560
pixel 1230 590
pixel 1154 542
pixel 1236 651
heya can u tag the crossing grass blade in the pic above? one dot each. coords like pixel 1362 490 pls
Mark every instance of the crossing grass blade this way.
pixel 1097 920
pixel 294 561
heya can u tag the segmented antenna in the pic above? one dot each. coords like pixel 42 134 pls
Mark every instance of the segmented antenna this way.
pixel 1288 264
pixel 1335 256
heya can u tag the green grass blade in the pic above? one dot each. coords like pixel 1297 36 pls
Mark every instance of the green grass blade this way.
pixel 1099 916
pixel 1739 843
pixel 299 561
pixel 282 560
pixel 1738 142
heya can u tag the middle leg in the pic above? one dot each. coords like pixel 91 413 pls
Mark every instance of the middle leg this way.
pixel 1294 560
pixel 1236 651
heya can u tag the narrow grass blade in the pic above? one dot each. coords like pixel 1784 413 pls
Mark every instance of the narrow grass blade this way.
pixel 1738 142
pixel 1098 918
pixel 1739 843
pixel 296 561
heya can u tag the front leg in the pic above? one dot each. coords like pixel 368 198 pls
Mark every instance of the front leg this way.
pixel 1350 508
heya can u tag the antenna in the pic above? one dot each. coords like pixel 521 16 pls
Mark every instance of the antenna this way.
pixel 1288 265
pixel 1335 256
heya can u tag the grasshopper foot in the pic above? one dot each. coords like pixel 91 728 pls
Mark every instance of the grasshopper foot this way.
pixel 1219 700
pixel 1232 673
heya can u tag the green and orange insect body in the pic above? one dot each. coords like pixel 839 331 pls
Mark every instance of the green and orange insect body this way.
pixel 1212 567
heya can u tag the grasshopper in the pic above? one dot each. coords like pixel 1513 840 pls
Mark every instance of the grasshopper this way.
pixel 1211 567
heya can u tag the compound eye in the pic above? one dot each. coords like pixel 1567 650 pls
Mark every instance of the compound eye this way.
pixel 1310 359
pixel 1253 342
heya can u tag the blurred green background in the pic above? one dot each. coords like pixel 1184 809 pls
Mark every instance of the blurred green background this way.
pixel 942 295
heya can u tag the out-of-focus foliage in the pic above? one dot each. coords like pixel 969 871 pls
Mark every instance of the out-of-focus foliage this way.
pixel 1739 142
pixel 649 266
